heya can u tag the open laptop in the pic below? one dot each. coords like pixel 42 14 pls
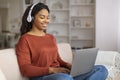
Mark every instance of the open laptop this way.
pixel 83 61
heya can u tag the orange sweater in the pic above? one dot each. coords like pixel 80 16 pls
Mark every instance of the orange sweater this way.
pixel 36 54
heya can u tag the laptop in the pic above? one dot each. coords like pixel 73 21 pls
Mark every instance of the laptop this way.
pixel 83 61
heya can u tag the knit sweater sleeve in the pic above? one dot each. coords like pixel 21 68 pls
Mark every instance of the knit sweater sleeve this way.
pixel 24 61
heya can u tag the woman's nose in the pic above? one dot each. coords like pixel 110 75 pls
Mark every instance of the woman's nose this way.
pixel 47 20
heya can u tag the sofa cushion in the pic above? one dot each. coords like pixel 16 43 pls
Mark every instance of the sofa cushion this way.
pixel 9 65
pixel 2 76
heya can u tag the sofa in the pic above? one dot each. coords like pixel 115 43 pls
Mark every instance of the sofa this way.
pixel 9 69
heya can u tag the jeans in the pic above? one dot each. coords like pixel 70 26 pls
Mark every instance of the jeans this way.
pixel 99 72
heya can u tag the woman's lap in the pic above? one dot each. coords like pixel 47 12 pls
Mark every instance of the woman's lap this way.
pixel 98 73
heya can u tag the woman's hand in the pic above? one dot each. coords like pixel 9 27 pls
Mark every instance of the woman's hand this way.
pixel 58 70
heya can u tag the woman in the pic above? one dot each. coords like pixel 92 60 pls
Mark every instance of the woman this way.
pixel 37 51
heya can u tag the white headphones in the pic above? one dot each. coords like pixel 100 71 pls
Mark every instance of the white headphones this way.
pixel 29 18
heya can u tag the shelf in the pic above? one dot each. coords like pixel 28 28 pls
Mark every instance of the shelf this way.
pixel 82 39
pixel 59 10
pixel 59 23
pixel 83 16
pixel 72 21
pixel 82 27
pixel 83 4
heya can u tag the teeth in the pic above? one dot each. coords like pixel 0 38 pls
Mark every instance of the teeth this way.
pixel 44 25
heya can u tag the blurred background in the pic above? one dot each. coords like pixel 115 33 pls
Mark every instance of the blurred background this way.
pixel 82 23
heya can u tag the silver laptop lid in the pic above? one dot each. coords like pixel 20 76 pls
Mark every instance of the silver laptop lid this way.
pixel 83 61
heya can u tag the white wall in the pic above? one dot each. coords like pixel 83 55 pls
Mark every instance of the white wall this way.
pixel 106 24
pixel 119 28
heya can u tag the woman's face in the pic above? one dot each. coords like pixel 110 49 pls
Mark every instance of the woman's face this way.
pixel 41 20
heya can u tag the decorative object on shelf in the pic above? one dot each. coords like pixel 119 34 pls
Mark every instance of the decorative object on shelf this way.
pixel 57 5
pixel 55 33
pixel 87 24
pixel 77 23
pixel 14 25
pixel 53 17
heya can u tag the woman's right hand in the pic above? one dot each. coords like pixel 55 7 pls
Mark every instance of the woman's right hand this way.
pixel 58 70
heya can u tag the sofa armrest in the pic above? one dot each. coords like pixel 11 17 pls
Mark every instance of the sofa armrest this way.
pixel 106 58
pixel 110 59
pixel 9 65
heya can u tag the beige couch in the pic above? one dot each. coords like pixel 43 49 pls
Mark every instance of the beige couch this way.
pixel 9 69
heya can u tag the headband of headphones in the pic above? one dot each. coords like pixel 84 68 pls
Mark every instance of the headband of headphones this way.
pixel 29 18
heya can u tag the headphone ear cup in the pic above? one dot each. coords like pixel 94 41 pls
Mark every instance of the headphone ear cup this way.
pixel 29 18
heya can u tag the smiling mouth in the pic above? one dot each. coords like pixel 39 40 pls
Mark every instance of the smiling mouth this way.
pixel 44 24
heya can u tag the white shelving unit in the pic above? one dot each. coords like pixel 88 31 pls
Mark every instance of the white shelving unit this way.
pixel 82 23
pixel 60 18
pixel 72 21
